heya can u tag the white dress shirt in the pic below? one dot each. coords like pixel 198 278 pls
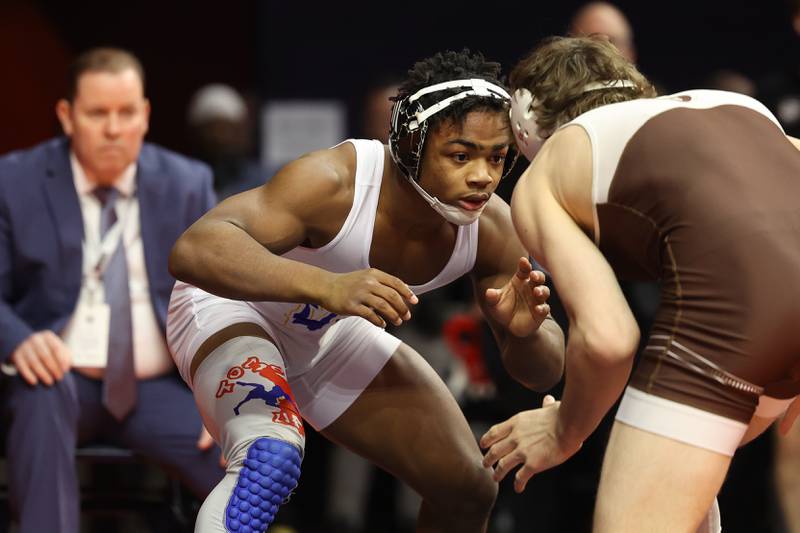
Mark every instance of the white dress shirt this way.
pixel 150 354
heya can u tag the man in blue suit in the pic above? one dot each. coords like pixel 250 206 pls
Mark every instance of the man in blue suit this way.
pixel 86 225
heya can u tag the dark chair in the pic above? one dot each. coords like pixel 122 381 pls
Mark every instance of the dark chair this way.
pixel 117 486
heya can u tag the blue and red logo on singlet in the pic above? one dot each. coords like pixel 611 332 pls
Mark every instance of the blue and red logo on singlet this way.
pixel 311 316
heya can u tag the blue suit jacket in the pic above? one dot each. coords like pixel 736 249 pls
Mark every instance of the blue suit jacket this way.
pixel 41 232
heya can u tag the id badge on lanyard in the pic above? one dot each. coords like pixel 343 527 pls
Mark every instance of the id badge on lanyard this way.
pixel 88 334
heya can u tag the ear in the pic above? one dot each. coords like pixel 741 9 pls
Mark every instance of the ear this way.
pixel 146 115
pixel 63 109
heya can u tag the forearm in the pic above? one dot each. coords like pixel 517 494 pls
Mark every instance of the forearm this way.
pixel 593 383
pixel 536 361
pixel 223 259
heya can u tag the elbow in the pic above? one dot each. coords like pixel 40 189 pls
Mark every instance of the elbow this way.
pixel 612 344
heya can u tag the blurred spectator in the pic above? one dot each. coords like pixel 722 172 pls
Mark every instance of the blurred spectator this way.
pixel 221 131
pixel 603 18
pixel 86 224
pixel 780 89
pixel 730 80
pixel 376 109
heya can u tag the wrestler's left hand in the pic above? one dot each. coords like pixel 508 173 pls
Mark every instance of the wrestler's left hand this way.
pixel 520 305
pixel 530 439
pixel 206 441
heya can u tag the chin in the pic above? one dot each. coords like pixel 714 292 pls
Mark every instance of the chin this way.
pixel 108 174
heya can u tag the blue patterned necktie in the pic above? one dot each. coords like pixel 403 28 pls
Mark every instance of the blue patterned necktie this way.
pixel 119 382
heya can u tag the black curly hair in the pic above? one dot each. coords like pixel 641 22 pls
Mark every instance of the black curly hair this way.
pixel 447 66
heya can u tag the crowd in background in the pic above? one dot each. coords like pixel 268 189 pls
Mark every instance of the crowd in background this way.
pixel 340 492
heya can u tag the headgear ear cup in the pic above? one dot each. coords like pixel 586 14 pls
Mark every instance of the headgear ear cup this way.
pixel 523 123
pixel 522 113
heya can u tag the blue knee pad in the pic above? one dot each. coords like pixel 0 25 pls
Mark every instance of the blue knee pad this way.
pixel 269 473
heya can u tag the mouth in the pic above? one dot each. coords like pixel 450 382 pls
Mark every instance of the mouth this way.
pixel 473 202
pixel 111 148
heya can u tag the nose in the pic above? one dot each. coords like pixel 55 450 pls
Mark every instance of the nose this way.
pixel 480 175
pixel 112 128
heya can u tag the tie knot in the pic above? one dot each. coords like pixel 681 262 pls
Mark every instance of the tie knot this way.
pixel 105 195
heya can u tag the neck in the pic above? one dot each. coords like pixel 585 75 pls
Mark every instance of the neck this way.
pixel 96 178
pixel 404 207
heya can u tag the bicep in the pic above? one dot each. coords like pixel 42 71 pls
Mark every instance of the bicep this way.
pixel 269 221
pixel 278 214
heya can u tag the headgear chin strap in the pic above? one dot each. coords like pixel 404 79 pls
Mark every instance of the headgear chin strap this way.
pixel 523 115
pixel 410 126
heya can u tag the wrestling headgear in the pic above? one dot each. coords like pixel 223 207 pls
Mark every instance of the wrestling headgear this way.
pixel 523 115
pixel 409 127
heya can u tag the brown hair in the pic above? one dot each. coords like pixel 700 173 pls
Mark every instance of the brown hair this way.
pixel 112 60
pixel 557 71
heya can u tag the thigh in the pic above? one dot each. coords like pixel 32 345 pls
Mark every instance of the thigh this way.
pixel 657 484
pixel 407 422
pixel 165 427
pixel 165 417
pixel 75 402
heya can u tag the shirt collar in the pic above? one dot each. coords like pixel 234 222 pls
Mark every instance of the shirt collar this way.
pixel 125 183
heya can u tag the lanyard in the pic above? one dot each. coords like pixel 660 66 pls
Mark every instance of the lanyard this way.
pixel 97 253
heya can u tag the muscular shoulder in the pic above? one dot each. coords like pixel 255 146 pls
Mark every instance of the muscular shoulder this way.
pixel 20 163
pixel 564 169
pixel 319 184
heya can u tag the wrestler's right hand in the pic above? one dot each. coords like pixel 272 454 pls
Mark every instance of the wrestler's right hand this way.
pixel 43 356
pixel 371 294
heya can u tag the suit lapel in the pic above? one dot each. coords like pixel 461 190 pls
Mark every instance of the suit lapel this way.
pixel 153 206
pixel 59 188
pixel 152 202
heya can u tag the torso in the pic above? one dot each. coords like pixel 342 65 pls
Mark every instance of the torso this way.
pixel 416 255
pixel 651 172
pixel 699 191
pixel 415 258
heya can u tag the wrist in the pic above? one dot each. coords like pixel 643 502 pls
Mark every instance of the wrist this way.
pixel 568 437
pixel 319 289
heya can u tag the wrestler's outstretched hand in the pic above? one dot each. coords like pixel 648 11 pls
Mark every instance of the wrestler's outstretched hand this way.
pixel 372 294
pixel 520 305
pixel 530 439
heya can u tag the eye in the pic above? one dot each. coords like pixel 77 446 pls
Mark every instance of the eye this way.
pixel 460 157
pixel 497 159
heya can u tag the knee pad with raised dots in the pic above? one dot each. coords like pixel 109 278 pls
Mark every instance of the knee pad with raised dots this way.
pixel 248 407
